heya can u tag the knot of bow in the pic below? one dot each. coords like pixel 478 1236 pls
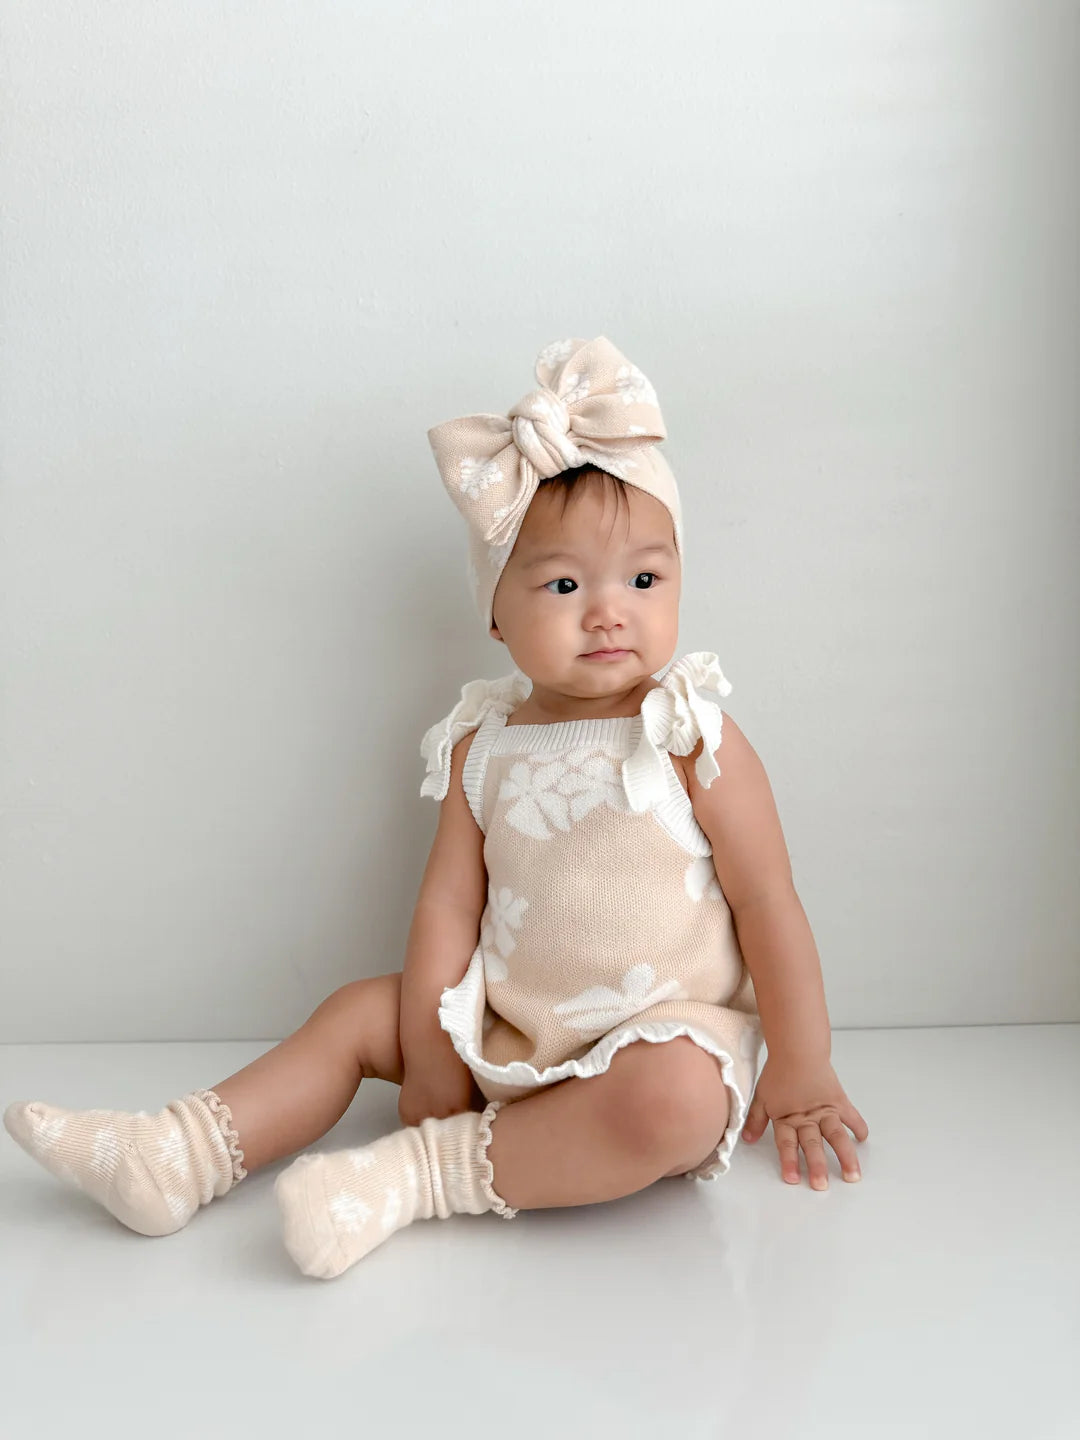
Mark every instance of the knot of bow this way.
pixel 592 406
pixel 541 431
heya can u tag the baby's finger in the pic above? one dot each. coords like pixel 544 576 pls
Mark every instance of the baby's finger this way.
pixel 756 1121
pixel 810 1139
pixel 832 1127
pixel 854 1121
pixel 787 1144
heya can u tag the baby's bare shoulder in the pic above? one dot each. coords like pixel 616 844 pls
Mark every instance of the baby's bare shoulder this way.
pixel 455 873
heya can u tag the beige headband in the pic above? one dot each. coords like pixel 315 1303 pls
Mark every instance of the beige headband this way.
pixel 593 407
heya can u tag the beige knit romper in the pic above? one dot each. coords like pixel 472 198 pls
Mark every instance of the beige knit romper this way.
pixel 605 923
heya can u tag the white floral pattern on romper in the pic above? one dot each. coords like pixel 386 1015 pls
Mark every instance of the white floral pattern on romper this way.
pixel 600 1008
pixel 700 880
pixel 505 911
pixel 561 791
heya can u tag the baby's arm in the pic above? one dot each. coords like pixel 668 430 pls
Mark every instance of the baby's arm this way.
pixel 738 814
pixel 798 1089
pixel 443 936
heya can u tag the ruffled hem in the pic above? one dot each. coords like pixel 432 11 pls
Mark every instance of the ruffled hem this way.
pixel 461 1008
pixel 223 1115
pixel 487 1173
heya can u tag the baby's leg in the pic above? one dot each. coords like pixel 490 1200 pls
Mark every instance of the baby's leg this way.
pixel 659 1110
pixel 294 1093
pixel 154 1171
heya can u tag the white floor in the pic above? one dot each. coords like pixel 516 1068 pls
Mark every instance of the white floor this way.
pixel 937 1298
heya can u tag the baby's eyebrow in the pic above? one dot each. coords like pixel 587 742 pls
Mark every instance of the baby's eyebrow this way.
pixel 548 557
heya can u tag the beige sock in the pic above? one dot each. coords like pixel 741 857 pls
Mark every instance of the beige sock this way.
pixel 151 1171
pixel 339 1205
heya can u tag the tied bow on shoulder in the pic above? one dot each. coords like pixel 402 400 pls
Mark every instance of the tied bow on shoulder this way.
pixel 478 699
pixel 674 717
pixel 592 407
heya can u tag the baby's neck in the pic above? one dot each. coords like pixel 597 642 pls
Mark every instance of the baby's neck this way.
pixel 544 706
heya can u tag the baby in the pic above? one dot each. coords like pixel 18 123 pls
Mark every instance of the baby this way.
pixel 606 928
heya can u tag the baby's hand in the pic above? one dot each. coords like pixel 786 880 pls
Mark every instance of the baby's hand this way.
pixel 805 1103
pixel 436 1089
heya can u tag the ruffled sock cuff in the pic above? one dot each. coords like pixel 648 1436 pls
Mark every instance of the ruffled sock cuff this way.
pixel 223 1116
pixel 487 1174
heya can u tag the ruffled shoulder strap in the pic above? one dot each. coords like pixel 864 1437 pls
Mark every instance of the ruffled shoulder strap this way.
pixel 675 716
pixel 479 698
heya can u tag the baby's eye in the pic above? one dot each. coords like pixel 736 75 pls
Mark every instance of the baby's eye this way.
pixel 648 576
pixel 564 581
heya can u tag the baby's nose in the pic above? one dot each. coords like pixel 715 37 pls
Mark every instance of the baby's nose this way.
pixel 603 611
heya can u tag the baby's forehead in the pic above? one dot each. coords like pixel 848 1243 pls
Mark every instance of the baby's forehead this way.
pixel 590 537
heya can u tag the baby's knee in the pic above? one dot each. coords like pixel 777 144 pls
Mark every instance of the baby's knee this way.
pixel 672 1103
pixel 362 1018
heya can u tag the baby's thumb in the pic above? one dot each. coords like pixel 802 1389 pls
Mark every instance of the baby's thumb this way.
pixel 756 1120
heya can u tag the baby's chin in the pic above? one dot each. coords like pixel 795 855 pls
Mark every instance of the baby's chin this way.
pixel 606 677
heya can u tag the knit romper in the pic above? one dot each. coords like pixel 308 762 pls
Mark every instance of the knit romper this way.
pixel 605 923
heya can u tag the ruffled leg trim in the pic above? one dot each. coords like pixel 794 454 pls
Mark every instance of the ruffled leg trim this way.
pixel 487 1173
pixel 223 1115
pixel 712 1168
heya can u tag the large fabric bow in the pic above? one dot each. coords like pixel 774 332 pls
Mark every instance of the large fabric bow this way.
pixel 593 406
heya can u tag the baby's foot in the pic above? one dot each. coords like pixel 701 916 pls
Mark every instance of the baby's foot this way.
pixel 337 1207
pixel 151 1171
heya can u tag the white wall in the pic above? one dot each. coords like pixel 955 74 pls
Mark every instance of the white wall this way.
pixel 251 252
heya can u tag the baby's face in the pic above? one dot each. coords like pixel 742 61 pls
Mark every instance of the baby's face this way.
pixel 597 577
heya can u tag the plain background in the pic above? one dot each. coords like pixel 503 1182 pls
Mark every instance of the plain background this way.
pixel 251 252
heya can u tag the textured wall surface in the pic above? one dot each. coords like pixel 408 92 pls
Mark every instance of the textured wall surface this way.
pixel 252 252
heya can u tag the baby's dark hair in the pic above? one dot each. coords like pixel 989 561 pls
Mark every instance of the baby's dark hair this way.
pixel 568 480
